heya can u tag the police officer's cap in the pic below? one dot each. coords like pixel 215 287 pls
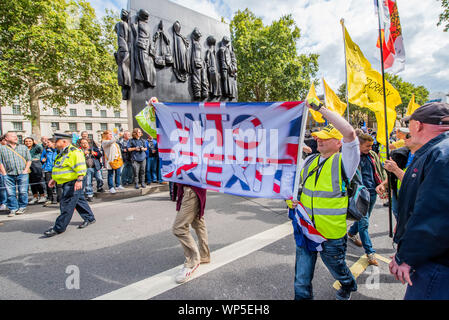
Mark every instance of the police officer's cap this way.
pixel 59 136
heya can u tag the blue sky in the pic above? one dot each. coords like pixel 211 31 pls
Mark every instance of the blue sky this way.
pixel 426 45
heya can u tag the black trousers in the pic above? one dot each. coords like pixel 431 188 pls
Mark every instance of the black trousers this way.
pixel 52 193
pixel 70 201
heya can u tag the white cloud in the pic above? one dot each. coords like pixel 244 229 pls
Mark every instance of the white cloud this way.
pixel 426 45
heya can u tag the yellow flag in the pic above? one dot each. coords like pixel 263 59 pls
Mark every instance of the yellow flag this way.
pixel 315 114
pixel 365 88
pixel 412 106
pixel 332 101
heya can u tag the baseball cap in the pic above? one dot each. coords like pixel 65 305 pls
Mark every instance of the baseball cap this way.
pixel 328 132
pixel 59 136
pixel 431 113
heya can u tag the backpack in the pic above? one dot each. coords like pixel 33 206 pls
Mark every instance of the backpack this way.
pixel 358 196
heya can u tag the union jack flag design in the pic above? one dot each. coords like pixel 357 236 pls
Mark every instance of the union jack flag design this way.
pixel 306 236
pixel 245 149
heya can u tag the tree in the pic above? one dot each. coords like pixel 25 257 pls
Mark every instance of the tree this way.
pixel 53 50
pixel 270 68
pixel 444 16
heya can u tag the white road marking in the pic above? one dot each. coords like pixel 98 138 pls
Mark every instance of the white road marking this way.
pixel 162 282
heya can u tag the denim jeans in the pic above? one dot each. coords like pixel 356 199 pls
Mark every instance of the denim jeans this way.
pixel 394 206
pixel 111 176
pixel 3 195
pixel 99 177
pixel 151 173
pixel 21 182
pixel 70 201
pixel 333 256
pixel 159 169
pixel 430 282
pixel 89 179
pixel 127 173
pixel 362 227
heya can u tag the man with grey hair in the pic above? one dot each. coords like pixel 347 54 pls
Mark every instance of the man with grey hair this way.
pixel 422 237
pixel 15 162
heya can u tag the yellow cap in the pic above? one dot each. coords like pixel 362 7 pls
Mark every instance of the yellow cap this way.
pixel 328 132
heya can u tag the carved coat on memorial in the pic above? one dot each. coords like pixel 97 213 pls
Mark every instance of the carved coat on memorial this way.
pixel 200 84
pixel 164 56
pixel 228 69
pixel 122 56
pixel 212 69
pixel 181 54
pixel 144 50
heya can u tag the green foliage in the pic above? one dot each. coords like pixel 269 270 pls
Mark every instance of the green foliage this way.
pixel 406 90
pixel 270 68
pixel 55 49
pixel 444 16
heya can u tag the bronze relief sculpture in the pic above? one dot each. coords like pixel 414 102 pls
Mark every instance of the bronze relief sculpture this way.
pixel 181 54
pixel 228 69
pixel 200 83
pixel 144 50
pixel 162 48
pixel 122 56
pixel 213 75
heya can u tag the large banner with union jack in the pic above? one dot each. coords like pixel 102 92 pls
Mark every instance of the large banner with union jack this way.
pixel 245 149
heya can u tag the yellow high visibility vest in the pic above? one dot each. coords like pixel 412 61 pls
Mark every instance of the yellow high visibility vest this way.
pixel 324 198
pixel 382 153
pixel 69 164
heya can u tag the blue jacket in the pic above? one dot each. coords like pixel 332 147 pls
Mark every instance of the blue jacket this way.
pixel 50 156
pixel 422 232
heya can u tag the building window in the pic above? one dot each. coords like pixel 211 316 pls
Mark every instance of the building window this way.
pixel 117 114
pixel 88 126
pixel 103 126
pixel 72 126
pixel 20 138
pixel 90 137
pixel 73 112
pixel 118 125
pixel 55 125
pixel 16 109
pixel 56 112
pixel 71 100
pixel 18 126
pixel 89 112
pixel 103 113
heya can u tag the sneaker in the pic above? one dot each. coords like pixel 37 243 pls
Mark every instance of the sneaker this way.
pixel 355 240
pixel 54 202
pixel 112 190
pixel 343 294
pixel 143 185
pixel 12 213
pixel 33 201
pixel 3 207
pixel 90 198
pixel 120 187
pixel 47 203
pixel 185 273
pixel 20 211
pixel 372 260
pixel 100 190
pixel 42 200
pixel 137 186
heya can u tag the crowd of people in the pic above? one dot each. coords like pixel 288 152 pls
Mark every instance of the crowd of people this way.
pixel 26 169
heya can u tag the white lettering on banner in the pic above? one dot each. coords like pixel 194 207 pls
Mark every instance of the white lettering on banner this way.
pixel 247 150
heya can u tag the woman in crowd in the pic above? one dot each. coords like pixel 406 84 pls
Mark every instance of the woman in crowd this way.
pixel 137 147
pixel 112 156
pixel 36 176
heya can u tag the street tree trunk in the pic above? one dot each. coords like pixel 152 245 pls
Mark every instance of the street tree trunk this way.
pixel 35 113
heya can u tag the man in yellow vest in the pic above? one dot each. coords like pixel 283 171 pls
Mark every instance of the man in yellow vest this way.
pixel 326 202
pixel 69 171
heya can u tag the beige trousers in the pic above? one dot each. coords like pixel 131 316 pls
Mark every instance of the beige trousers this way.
pixel 186 216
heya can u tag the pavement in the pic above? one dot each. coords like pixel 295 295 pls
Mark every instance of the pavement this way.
pixel 130 253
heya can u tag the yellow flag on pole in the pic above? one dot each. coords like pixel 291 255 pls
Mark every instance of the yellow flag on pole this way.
pixel 315 114
pixel 332 101
pixel 412 106
pixel 365 88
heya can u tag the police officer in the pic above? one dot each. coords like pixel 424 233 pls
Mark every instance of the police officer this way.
pixel 69 171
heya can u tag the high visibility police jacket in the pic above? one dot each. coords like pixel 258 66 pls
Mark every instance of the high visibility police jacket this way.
pixel 323 197
pixel 69 164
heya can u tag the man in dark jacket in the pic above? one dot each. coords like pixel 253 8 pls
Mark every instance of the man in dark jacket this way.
pixel 422 237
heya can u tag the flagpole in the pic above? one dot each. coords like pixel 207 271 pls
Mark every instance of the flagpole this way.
pixel 299 160
pixel 346 67
pixel 387 134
